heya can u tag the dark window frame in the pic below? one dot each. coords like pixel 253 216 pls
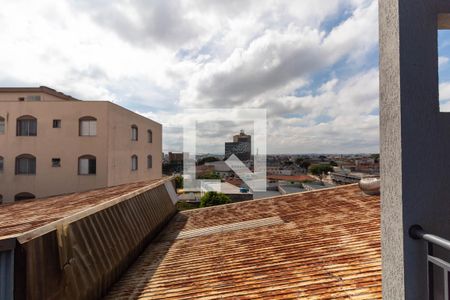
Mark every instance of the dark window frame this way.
pixel 134 162
pixel 24 196
pixel 149 136
pixel 92 165
pixel 134 133
pixel 25 162
pixel 26 126
pixel 56 162
pixel 57 123
pixel 149 161
pixel 2 125
pixel 87 119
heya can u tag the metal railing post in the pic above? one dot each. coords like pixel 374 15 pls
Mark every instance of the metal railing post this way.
pixel 416 232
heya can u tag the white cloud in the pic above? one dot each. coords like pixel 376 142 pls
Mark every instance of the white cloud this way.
pixel 443 60
pixel 308 62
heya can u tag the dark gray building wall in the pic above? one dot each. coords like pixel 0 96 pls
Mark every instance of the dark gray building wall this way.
pixel 241 149
pixel 415 142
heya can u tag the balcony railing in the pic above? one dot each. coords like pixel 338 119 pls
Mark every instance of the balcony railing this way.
pixel 417 232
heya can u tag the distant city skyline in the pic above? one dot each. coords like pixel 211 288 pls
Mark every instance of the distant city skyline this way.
pixel 312 64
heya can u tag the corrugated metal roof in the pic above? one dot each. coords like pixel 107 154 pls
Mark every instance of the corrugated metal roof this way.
pixel 327 247
pixel 291 177
pixel 83 257
pixel 22 217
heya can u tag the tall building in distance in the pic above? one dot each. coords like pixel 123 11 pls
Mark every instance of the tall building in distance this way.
pixel 52 143
pixel 241 146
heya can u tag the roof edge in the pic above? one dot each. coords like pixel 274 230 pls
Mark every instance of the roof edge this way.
pixel 274 197
pixel 40 89
pixel 33 233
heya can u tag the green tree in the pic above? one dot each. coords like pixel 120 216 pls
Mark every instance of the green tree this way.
pixel 305 164
pixel 210 175
pixel 179 182
pixel 213 199
pixel 333 163
pixel 376 157
pixel 318 170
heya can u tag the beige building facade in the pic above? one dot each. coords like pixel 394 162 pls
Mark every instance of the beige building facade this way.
pixel 52 144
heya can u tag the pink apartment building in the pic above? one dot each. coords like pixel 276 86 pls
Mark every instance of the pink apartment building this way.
pixel 52 143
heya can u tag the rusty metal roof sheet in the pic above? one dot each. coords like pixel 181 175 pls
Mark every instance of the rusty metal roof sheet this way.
pixel 326 247
pixel 23 217
pixel 298 178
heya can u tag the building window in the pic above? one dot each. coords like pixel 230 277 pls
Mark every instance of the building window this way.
pixel 1 198
pixel 88 126
pixel 56 162
pixel 56 123
pixel 24 196
pixel 26 126
pixel 25 164
pixel 134 133
pixel 149 162
pixel 134 163
pixel 1 164
pixel 33 98
pixel 2 125
pixel 87 165
pixel 150 136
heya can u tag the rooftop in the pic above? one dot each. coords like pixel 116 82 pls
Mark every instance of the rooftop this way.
pixel 24 218
pixel 40 89
pixel 320 244
pixel 297 178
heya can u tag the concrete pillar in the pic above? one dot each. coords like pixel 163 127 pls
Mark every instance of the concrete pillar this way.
pixel 415 142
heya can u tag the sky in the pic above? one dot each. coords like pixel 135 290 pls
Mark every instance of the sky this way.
pixel 313 65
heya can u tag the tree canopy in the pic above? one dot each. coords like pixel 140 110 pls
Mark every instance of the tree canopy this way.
pixel 320 169
pixel 302 163
pixel 179 182
pixel 213 199
pixel 210 175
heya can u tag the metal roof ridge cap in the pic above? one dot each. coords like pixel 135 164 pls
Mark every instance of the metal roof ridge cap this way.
pixel 273 197
pixel 28 235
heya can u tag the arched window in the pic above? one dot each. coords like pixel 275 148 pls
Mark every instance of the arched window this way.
pixel 149 162
pixel 88 126
pixel 150 136
pixel 26 126
pixel 134 163
pixel 1 164
pixel 25 164
pixel 134 133
pixel 87 165
pixel 2 125
pixel 24 196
